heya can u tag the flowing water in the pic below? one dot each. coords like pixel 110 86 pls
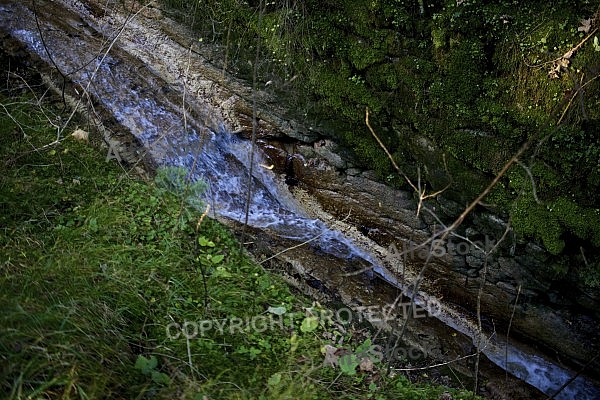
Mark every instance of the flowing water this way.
pixel 191 137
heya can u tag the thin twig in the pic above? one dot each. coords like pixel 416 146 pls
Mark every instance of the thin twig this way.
pixel 512 315
pixel 569 381
pixel 573 97
pixel 435 365
pixel 568 54
pixel 479 294
pixel 300 244
pixel 254 115
pixel 62 75
pixel 533 189
pixel 421 192
pixel 457 222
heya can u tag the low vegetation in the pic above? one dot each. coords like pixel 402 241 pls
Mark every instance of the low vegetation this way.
pixel 100 270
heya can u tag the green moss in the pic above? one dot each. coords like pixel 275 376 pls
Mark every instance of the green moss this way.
pixel 575 151
pixel 590 274
pixel 532 219
pixel 473 78
pixel 500 197
pixel 384 77
pixel 438 37
pixel 478 148
pixel 582 222
pixel 362 54
pixel 549 220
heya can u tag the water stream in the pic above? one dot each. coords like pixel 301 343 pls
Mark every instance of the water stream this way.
pixel 204 146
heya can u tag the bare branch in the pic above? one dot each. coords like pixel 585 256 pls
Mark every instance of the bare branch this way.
pixel 528 171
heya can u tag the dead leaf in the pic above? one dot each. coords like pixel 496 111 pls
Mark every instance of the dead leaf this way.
pixel 554 72
pixel 81 135
pixel 331 359
pixel 366 365
pixel 563 63
pixel 560 65
pixel 586 25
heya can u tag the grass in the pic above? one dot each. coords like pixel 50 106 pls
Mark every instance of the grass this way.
pixel 95 265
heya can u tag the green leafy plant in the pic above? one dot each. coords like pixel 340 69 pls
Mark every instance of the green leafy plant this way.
pixel 211 260
pixel 309 324
pixel 348 363
pixel 148 367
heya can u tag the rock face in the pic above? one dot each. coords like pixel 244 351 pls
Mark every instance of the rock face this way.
pixel 521 287
pixel 518 283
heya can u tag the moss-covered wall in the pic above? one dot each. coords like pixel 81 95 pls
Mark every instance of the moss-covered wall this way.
pixel 474 77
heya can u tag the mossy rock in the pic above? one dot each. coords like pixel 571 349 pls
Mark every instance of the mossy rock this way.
pixel 468 79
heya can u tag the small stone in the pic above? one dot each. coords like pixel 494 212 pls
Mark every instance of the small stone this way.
pixel 507 287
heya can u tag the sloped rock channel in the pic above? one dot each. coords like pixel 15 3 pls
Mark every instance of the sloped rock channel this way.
pixel 154 99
